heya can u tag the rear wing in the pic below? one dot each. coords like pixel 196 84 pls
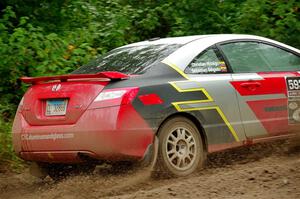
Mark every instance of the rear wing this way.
pixel 111 75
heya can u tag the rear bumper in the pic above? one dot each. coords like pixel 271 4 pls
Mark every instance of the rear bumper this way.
pixel 111 133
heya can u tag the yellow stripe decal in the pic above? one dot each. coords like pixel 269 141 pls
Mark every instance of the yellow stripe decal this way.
pixel 209 99
pixel 175 68
pixel 176 105
pixel 228 124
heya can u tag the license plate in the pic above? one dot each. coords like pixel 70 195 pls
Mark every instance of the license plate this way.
pixel 56 107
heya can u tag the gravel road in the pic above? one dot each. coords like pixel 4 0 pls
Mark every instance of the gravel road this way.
pixel 262 171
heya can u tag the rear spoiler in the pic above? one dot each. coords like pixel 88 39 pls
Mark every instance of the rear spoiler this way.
pixel 111 75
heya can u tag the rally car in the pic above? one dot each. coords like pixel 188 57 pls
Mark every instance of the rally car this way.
pixel 170 101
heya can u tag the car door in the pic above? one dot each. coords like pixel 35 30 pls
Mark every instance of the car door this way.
pixel 262 72
pixel 221 117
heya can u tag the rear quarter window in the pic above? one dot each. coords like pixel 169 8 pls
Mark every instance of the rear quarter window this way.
pixel 129 60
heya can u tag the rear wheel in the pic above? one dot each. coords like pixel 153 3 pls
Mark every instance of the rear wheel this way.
pixel 180 150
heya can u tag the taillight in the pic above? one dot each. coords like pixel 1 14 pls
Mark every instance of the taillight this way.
pixel 115 97
pixel 109 95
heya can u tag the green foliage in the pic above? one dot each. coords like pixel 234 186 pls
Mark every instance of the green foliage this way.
pixel 27 50
pixel 275 19
pixel 8 160
pixel 55 37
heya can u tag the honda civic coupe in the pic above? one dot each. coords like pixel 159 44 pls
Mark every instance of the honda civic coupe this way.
pixel 168 101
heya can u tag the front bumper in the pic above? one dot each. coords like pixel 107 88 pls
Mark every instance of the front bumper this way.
pixel 111 133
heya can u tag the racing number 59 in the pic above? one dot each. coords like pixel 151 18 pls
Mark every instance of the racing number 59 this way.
pixel 294 84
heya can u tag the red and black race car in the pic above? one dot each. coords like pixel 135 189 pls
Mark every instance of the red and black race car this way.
pixel 177 98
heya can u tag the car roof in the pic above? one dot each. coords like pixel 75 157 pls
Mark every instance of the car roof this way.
pixel 169 40
pixel 187 39
pixel 191 46
pixel 197 44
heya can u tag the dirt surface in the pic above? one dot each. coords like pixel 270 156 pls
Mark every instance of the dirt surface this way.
pixel 261 171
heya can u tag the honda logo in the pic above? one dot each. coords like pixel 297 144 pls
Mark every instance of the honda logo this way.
pixel 56 87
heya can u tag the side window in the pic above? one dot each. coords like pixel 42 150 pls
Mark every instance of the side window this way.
pixel 279 59
pixel 245 57
pixel 259 57
pixel 206 62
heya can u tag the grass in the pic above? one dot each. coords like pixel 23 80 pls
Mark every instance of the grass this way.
pixel 8 159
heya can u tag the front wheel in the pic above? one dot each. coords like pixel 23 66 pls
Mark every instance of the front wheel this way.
pixel 180 150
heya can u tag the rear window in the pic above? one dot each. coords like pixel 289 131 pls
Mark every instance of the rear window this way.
pixel 129 60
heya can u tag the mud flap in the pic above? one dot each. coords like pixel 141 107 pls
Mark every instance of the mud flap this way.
pixel 150 157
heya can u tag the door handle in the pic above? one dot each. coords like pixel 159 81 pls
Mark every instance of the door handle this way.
pixel 251 85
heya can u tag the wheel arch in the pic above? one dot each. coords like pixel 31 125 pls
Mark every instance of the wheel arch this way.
pixel 192 118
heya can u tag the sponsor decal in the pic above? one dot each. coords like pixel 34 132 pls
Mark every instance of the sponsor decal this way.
pixel 52 136
pixel 294 111
pixel 293 94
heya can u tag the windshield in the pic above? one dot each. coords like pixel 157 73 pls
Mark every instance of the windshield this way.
pixel 129 60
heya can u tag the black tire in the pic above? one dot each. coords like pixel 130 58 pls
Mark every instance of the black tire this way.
pixel 180 149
